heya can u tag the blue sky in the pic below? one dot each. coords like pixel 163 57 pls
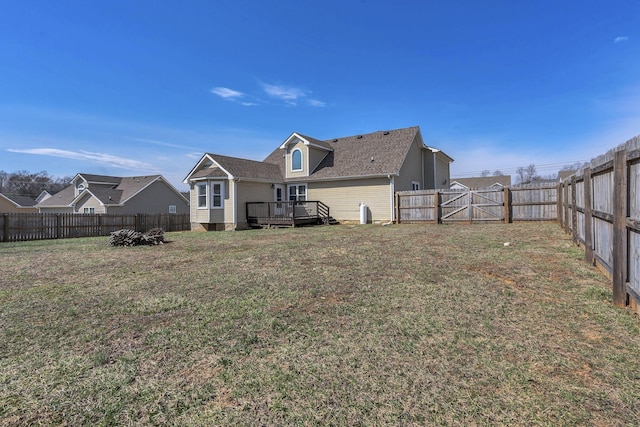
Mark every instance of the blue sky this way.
pixel 138 87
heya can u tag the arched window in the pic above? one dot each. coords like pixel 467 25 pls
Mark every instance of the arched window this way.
pixel 296 160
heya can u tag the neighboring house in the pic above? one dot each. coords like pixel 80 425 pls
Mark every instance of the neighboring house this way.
pixel 481 182
pixel 116 195
pixel 16 204
pixel 342 173
pixel 43 196
pixel 564 174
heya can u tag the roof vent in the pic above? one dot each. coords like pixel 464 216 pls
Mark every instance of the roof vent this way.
pixel 372 158
pixel 335 140
pixel 359 136
pixel 386 132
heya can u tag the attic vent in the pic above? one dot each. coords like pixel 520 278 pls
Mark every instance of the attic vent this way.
pixel 386 132
pixel 359 136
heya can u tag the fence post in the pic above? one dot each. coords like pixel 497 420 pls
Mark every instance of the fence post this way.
pixel 470 206
pixel 565 202
pixel 436 207
pixel 507 205
pixel 397 196
pixel 588 217
pixel 5 228
pixel 620 228
pixel 574 211
pixel 58 226
pixel 559 203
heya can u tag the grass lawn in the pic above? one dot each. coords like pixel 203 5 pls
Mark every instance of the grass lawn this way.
pixel 342 325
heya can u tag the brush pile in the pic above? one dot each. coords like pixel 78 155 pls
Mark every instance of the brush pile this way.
pixel 126 237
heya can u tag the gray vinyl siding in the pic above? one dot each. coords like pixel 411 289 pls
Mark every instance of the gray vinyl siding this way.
pixel 155 198
pixel 315 157
pixel 411 169
pixel 442 172
pixel 428 170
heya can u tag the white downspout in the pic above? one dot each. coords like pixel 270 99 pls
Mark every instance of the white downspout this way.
pixel 392 186
pixel 435 174
pixel 235 203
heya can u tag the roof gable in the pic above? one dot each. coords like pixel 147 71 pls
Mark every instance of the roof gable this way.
pixel 227 167
pixel 19 201
pixel 306 140
pixel 374 154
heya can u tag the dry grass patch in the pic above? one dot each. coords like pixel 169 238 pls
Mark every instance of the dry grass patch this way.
pixel 408 325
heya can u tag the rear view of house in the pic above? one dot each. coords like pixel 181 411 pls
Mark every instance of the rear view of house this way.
pixel 343 174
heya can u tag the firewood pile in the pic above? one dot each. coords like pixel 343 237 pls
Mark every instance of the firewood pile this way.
pixel 126 237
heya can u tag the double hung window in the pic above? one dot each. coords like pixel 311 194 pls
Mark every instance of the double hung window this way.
pixel 298 193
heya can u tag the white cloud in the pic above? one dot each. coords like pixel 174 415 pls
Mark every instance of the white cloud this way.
pixel 102 158
pixel 620 39
pixel 317 103
pixel 226 93
pixel 288 94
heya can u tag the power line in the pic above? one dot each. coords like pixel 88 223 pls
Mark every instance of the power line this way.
pixel 506 171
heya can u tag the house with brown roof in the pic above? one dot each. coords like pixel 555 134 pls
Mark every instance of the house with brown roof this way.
pixel 101 194
pixel 349 176
pixel 16 204
pixel 481 182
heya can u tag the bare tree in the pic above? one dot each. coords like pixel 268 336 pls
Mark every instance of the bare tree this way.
pixel 485 172
pixel 526 174
pixel 25 183
pixel 575 166
pixel 497 172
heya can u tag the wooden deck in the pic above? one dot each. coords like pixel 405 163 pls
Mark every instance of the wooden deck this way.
pixel 286 214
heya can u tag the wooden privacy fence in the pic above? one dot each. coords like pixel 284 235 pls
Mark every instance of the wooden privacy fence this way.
pixel 36 226
pixel 600 207
pixel 534 202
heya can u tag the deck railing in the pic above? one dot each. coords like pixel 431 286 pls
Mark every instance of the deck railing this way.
pixel 289 212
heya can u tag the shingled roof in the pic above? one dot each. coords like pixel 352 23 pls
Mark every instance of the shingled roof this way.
pixel 109 190
pixel 236 167
pixel 373 154
pixel 20 201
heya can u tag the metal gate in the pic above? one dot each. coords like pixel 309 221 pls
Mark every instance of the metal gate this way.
pixel 473 205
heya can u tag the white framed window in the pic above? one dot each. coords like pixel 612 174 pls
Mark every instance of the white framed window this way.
pixel 89 210
pixel 217 194
pixel 296 160
pixel 201 194
pixel 172 209
pixel 298 193
pixel 415 185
